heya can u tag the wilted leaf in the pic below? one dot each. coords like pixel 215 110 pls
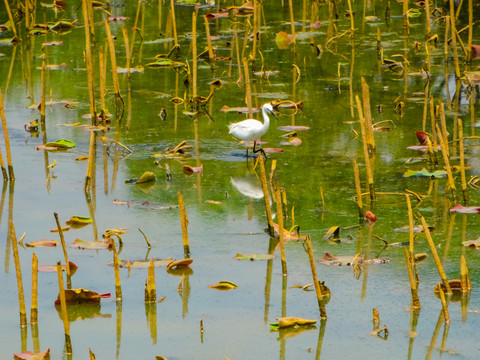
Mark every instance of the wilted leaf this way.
pixel 437 174
pixel 43 243
pixel 466 209
pixel 177 100
pixel 289 235
pixel 240 110
pixel 80 296
pixel 190 170
pixel 272 150
pixel 291 321
pixel 283 40
pixel 142 264
pixel 179 263
pixel 53 268
pixel 253 257
pixel 416 229
pixel 330 259
pixel 81 158
pixel 136 69
pixel 165 63
pixel 370 216
pixel 79 220
pixel 52 43
pixel 211 16
pixel 91 245
pixel 147 176
pixel 474 244
pixel 372 19
pixel 28 355
pixel 295 141
pixel 332 233
pixel 224 286
pixel 417 258
pixel 293 128
pixel 117 18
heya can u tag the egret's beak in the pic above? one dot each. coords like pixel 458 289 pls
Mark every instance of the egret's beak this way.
pixel 273 113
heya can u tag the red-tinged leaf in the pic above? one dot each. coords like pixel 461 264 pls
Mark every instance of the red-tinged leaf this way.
pixel 53 268
pixel 80 296
pixel 48 148
pixel 293 128
pixel 52 43
pixel 28 355
pixel 54 66
pixel 283 40
pixel 213 202
pixel 466 209
pixel 295 141
pixel 240 110
pixel 289 235
pixel 475 52
pixel 422 148
pixel 179 263
pixel 92 245
pixel 117 18
pixel 190 170
pixel 272 150
pixel 253 257
pixel 370 216
pixel 43 242
pixel 473 244
pixel 211 16
pixel 422 137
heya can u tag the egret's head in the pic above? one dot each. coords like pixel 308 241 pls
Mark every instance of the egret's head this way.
pixel 269 109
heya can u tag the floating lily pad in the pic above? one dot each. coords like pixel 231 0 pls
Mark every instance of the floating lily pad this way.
pixel 92 245
pixel 291 321
pixel 466 209
pixel 253 257
pixel 28 355
pixel 53 268
pixel 79 220
pixel 142 264
pixel 80 296
pixel 224 286
pixel 179 263
pixel 43 243
pixel 437 174
pixel 165 63
pixel 61 144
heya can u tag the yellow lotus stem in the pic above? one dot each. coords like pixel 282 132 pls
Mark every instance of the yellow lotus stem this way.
pixel 281 234
pixel 34 306
pixel 174 24
pixel 451 183
pixel 462 160
pixel 464 274
pixel 435 256
pixel 194 54
pixel 446 314
pixel 118 286
pixel 368 116
pixel 292 22
pixel 318 289
pixel 150 291
pixel 184 224
pixel 113 59
pixel 411 279
pixel 358 189
pixel 209 40
pixel 63 305
pixel 18 272
pixel 88 52
pixel 410 224
pixel 2 115
pixel 365 149
pixel 64 247
pixel 248 91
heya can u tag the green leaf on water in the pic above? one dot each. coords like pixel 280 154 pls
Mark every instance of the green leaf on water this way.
pixel 165 63
pixel 224 286
pixel 437 174
pixel 147 176
pixel 61 144
pixel 253 257
pixel 80 220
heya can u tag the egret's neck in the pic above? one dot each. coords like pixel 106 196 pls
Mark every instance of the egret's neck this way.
pixel 266 119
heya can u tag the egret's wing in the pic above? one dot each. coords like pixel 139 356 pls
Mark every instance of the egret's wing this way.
pixel 245 130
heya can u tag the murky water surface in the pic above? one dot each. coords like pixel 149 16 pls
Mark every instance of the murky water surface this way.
pixel 225 216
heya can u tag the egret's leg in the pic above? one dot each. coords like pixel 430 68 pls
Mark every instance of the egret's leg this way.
pixel 259 150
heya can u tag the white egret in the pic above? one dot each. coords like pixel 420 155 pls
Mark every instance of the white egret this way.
pixel 251 129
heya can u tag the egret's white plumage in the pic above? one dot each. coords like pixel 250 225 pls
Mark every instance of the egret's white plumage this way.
pixel 251 129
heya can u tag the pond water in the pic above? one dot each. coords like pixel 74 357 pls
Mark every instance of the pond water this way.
pixel 224 218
